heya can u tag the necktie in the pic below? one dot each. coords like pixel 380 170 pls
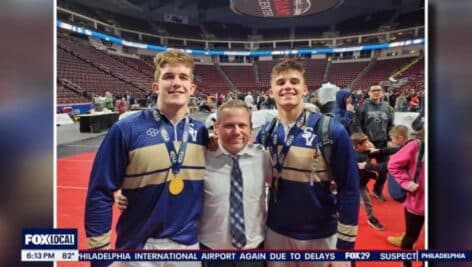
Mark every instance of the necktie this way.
pixel 236 211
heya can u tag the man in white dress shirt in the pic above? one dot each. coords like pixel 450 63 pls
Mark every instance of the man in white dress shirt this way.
pixel 233 128
pixel 249 100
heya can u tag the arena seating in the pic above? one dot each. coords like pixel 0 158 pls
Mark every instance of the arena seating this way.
pixel 315 69
pixel 65 96
pixel 381 71
pixel 209 79
pixel 264 70
pixel 117 68
pixel 96 71
pixel 242 76
pixel 90 78
pixel 415 76
pixel 342 74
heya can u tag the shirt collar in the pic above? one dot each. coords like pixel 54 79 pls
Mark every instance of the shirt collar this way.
pixel 159 115
pixel 245 151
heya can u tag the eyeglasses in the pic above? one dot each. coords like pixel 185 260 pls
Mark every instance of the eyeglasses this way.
pixel 375 90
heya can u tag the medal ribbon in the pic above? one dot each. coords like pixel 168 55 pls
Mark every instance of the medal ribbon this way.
pixel 273 144
pixel 176 159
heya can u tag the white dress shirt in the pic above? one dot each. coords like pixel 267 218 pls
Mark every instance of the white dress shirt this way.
pixel 256 171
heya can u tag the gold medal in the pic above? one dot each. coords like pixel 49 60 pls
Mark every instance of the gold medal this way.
pixel 176 185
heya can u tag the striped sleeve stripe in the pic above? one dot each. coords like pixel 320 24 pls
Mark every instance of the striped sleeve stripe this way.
pixel 161 177
pixel 99 241
pixel 345 229
pixel 346 237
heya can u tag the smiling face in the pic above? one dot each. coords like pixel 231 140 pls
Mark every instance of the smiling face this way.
pixel 288 88
pixel 233 127
pixel 174 85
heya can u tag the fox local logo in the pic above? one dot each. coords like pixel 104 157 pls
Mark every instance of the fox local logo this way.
pixel 50 238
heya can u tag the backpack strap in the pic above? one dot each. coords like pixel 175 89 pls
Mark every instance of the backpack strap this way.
pixel 325 142
pixel 267 132
pixel 419 160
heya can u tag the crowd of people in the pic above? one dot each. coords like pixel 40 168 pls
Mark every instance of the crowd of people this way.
pixel 179 188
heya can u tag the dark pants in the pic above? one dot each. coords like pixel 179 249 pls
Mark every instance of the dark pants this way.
pixel 232 263
pixel 414 224
pixel 382 177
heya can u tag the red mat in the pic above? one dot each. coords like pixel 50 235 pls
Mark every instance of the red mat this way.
pixel 72 179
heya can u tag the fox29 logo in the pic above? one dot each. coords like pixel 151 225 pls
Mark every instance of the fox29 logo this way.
pixel 49 239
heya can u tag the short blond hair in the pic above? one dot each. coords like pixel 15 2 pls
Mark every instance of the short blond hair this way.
pixel 400 130
pixel 172 56
pixel 287 65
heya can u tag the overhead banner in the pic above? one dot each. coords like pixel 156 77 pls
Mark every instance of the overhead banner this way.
pixel 282 8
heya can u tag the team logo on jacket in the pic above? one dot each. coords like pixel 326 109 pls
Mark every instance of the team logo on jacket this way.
pixel 193 133
pixel 152 132
pixel 308 136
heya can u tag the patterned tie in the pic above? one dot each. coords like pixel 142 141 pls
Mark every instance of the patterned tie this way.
pixel 236 211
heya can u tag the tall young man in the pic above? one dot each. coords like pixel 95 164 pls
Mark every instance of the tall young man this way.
pixel 157 159
pixel 306 209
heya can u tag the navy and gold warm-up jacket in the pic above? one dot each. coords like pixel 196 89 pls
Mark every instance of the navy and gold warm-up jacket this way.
pixel 134 157
pixel 302 209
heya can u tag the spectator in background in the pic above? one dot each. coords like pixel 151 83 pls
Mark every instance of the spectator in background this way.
pixel 129 100
pixel 421 99
pixel 399 135
pixel 392 99
pixel 401 103
pixel 358 97
pixel 220 98
pixel 260 100
pixel 367 170
pixel 121 104
pixel 270 103
pixel 375 119
pixel 327 97
pixel 109 101
pixel 249 100
pixel 405 165
pixel 228 97
pixel 344 109
pixel 148 99
pixel 414 103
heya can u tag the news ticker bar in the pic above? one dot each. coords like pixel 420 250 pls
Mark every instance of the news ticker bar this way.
pixel 33 255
